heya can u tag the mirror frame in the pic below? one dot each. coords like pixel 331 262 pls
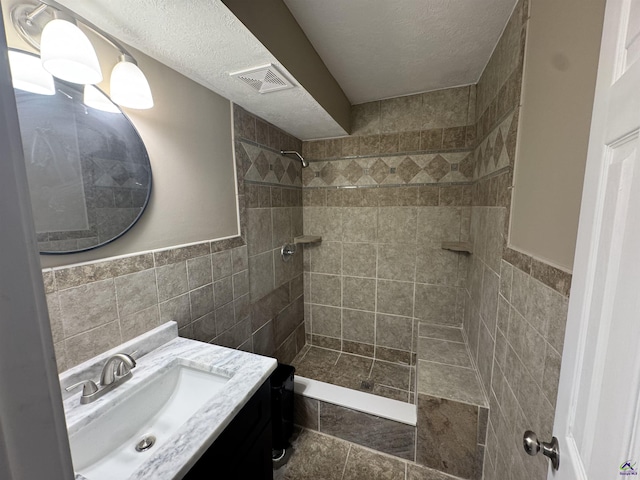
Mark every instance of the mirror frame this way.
pixel 146 155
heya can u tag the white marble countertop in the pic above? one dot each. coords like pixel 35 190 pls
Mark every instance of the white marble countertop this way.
pixel 158 351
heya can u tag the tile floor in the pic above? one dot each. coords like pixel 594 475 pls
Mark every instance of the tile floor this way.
pixel 315 456
pixel 391 380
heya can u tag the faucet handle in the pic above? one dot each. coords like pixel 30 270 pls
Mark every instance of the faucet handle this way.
pixel 88 387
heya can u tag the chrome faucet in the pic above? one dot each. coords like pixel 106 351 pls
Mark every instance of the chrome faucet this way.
pixel 116 370
pixel 123 362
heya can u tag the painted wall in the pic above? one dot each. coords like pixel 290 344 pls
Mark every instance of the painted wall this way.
pixel 558 87
pixel 189 140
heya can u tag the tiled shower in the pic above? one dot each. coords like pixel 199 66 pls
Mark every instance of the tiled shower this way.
pixel 378 306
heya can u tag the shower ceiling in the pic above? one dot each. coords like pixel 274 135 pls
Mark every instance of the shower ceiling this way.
pixel 379 49
pixel 374 48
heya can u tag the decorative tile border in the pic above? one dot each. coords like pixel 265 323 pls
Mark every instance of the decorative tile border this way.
pixel 453 167
pixel 263 165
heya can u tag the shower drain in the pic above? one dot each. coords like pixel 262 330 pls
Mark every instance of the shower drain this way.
pixel 146 443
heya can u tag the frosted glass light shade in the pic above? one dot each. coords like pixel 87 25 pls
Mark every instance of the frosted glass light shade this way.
pixel 129 86
pixel 67 53
pixel 94 98
pixel 27 74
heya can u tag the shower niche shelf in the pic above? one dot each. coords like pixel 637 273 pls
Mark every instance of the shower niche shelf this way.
pixel 463 247
pixel 307 239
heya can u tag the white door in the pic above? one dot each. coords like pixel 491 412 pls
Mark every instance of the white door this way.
pixel 598 411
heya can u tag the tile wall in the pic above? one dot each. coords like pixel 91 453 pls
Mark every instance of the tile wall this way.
pixel 383 200
pixel 234 292
pixel 515 306
pixel 273 200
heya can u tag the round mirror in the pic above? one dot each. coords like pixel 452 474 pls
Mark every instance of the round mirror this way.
pixel 88 169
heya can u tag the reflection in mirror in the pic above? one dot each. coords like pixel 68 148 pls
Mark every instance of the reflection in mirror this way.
pixel 88 169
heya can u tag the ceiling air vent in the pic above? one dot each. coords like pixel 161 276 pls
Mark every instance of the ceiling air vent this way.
pixel 264 79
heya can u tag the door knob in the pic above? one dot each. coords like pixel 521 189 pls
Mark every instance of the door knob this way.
pixel 549 449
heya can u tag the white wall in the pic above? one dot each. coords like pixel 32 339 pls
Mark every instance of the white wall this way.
pixel 561 59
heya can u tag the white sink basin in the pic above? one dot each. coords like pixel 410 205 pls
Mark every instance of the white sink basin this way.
pixel 106 447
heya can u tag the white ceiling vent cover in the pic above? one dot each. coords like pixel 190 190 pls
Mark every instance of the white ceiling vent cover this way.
pixel 264 79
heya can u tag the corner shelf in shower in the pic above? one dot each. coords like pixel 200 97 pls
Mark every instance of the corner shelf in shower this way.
pixel 307 239
pixel 463 247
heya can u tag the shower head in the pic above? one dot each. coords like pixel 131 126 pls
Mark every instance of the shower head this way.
pixel 305 164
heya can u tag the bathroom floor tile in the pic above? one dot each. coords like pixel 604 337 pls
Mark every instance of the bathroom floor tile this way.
pixel 317 456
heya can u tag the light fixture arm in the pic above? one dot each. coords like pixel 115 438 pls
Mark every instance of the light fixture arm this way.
pixel 44 4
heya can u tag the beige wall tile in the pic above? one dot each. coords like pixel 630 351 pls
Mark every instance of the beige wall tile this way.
pixel 323 221
pixel 199 271
pixel 326 321
pixel 87 344
pixel 326 289
pixel 261 275
pixel 436 304
pixel 358 326
pixel 359 293
pixel 445 108
pixel 326 257
pixel 397 224
pixel 360 224
pixel 136 292
pixel 359 259
pixel 395 297
pixel 87 307
pixel 397 262
pixel 394 331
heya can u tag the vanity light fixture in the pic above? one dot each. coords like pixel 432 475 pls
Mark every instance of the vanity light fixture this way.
pixel 129 86
pixel 94 98
pixel 28 75
pixel 67 53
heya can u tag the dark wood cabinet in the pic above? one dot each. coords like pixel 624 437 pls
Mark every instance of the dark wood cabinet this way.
pixel 243 450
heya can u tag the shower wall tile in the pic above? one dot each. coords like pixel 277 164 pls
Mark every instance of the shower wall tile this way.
pixel 359 293
pixel 359 259
pixel 358 326
pixel 395 297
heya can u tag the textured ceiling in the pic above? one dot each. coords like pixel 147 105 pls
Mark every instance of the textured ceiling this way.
pixel 379 49
pixel 205 42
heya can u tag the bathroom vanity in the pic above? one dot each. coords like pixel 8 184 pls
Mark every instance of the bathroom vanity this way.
pixel 190 410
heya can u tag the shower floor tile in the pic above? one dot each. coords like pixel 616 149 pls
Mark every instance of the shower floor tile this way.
pixel 358 373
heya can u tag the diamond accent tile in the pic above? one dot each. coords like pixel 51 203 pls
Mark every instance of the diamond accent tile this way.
pixel 488 156
pixel 497 148
pixel 291 172
pixel 379 171
pixel 329 173
pixel 438 167
pixel 408 169
pixel 308 176
pixel 262 164
pixel 278 169
pixel 466 166
pixel 353 172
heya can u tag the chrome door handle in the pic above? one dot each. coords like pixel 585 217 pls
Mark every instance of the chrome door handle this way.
pixel 549 449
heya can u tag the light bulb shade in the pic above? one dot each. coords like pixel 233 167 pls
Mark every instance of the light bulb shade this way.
pixel 67 53
pixel 129 86
pixel 27 74
pixel 94 98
